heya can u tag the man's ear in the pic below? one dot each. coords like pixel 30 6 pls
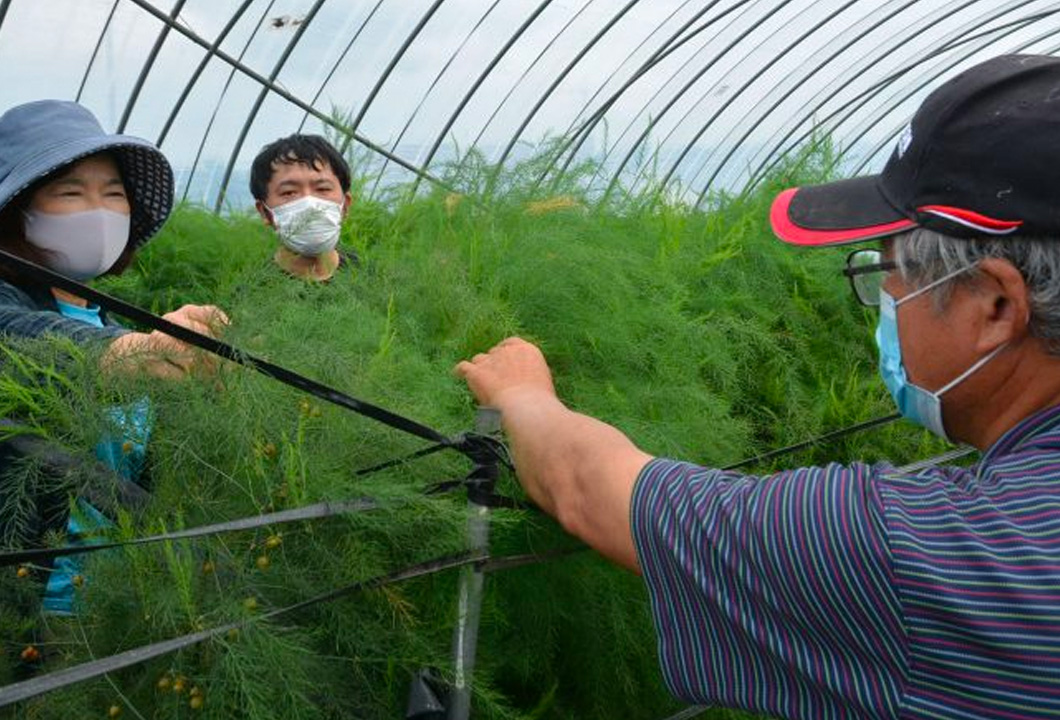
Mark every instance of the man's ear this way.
pixel 266 216
pixel 347 201
pixel 1004 304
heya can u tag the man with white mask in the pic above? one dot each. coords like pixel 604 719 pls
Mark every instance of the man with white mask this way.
pixel 301 188
pixel 863 591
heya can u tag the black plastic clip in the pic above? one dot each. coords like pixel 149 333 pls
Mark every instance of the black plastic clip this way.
pixel 428 696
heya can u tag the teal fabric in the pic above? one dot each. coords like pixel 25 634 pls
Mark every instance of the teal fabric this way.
pixel 124 451
pixel 88 314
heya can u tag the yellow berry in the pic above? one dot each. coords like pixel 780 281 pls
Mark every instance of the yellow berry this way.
pixel 196 702
pixel 114 711
pixel 22 573
pixel 178 685
pixel 30 654
pixel 164 682
pixel 127 447
pixel 262 562
pixel 269 450
pixel 250 604
pixel 195 691
pixel 78 581
pixel 314 411
pixel 208 567
pixel 233 634
pixel 303 407
pixel 273 542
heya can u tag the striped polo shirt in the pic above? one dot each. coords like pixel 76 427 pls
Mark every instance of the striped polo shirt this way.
pixel 857 591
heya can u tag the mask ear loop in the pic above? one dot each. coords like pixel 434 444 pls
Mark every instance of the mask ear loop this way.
pixel 271 215
pixel 975 366
pixel 978 363
pixel 934 284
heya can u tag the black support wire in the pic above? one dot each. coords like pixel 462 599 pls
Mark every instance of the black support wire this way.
pixel 772 157
pixel 834 435
pixel 479 558
pixel 281 92
pixel 20 691
pixel 483 455
pixel 4 6
pixel 253 114
pixel 316 511
pixel 27 689
pixel 223 350
pixel 211 52
pixel 150 63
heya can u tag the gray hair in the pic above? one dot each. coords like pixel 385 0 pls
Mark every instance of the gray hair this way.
pixel 924 256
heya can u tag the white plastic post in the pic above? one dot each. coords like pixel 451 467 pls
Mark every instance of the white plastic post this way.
pixel 469 599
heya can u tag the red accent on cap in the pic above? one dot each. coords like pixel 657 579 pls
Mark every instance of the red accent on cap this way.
pixel 973 219
pixel 789 232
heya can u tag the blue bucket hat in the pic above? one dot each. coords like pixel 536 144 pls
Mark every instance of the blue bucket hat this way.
pixel 38 138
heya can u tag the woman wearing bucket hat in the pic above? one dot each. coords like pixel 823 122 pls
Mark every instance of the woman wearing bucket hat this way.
pixel 82 202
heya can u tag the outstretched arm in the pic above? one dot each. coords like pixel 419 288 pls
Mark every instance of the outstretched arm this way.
pixel 578 469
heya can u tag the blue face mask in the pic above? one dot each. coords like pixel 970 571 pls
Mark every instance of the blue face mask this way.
pixel 916 404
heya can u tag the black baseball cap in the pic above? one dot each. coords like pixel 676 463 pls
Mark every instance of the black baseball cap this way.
pixel 981 157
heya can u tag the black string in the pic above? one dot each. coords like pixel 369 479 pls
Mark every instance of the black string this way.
pixel 401 460
pixel 27 689
pixel 309 512
pixel 226 351
pixel 834 435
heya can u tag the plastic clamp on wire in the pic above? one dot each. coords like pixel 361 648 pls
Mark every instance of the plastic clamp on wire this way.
pixel 486 453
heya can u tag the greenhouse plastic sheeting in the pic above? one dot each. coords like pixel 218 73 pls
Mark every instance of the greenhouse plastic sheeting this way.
pixel 699 95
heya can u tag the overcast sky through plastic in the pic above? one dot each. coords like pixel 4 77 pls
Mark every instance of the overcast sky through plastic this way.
pixel 705 93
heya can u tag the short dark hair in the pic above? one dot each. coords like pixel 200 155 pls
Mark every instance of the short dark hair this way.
pixel 311 150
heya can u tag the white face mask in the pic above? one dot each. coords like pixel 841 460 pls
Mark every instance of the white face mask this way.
pixel 309 225
pixel 81 245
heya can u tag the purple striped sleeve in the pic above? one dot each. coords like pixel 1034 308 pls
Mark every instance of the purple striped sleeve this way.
pixel 772 594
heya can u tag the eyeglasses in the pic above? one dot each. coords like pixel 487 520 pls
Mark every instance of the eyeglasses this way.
pixel 867 270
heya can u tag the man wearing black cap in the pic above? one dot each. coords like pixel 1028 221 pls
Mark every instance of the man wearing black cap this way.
pixel 861 591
